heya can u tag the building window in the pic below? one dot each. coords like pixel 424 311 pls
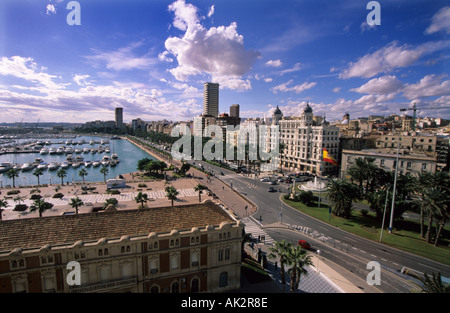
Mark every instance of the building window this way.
pixel 195 285
pixel 47 259
pixel 175 287
pixel 223 279
pixel 154 289
pixel 408 165
pixel 174 262
pixel 424 166
pixel 79 255
pixel 227 253
pixel 125 249
pixel 18 263
pixel 220 255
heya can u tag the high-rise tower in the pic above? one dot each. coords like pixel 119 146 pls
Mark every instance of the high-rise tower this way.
pixel 119 117
pixel 210 99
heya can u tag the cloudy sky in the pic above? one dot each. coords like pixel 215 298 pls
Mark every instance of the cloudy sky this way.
pixel 152 58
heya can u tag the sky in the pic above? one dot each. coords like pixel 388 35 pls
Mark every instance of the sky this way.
pixel 153 57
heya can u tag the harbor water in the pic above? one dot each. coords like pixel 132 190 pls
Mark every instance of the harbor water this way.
pixel 128 156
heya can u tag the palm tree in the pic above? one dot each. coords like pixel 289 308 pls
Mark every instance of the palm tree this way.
pixel 342 194
pixel 298 259
pixel 75 203
pixel 83 173
pixel 40 206
pixel 3 204
pixel 171 193
pixel 38 172
pixel 279 250
pixel 110 203
pixel 61 174
pixel 433 284
pixel 141 198
pixel 199 188
pixel 12 174
pixel 104 171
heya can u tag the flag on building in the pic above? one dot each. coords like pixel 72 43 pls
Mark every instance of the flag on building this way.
pixel 328 158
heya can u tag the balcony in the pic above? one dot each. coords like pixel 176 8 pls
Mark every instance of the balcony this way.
pixel 104 286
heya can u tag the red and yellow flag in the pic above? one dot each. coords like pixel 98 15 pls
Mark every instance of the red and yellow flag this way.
pixel 328 158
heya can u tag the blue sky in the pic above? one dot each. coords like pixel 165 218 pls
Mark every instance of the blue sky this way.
pixel 152 58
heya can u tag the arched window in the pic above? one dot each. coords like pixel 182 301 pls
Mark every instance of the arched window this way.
pixel 154 289
pixel 195 285
pixel 175 287
pixel 223 279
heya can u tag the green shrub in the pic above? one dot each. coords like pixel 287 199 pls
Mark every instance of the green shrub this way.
pixel 13 192
pixel 58 195
pixel 35 197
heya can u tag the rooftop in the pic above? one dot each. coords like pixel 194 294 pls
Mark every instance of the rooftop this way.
pixel 59 230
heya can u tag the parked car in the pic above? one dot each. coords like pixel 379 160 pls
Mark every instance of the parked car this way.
pixel 271 189
pixel 304 244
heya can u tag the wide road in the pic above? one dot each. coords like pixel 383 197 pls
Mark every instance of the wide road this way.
pixel 345 249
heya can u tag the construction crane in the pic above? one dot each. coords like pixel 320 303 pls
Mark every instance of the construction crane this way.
pixel 414 109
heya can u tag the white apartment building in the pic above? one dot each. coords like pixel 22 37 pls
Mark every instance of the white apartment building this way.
pixel 304 141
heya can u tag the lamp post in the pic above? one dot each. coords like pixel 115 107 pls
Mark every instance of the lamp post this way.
pixel 395 185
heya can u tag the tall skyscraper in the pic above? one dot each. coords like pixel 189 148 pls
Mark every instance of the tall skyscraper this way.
pixel 119 117
pixel 210 99
pixel 234 110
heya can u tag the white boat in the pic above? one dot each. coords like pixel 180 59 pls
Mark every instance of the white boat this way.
pixel 113 163
pixel 38 160
pixel 106 158
pixel 53 165
pixel 27 166
pixel 114 156
pixel 79 158
pixel 65 164
pixel 42 166
pixel 86 150
pixel 60 150
pixel 76 164
pixel 68 142
pixel 78 151
pixel 68 150
pixel 107 150
pixel 82 142
pixel 5 166
pixel 92 142
pixel 93 151
pixel 44 151
pixel 52 151
pixel 69 158
pixel 87 163
pixel 95 163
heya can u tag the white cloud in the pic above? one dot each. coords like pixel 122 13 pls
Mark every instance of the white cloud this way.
pixel 27 69
pixel 429 86
pixel 218 51
pixel 163 57
pixel 390 58
pixel 297 88
pixel 122 59
pixel 382 85
pixel 365 27
pixel 211 11
pixel 80 80
pixel 440 22
pixel 337 89
pixel 274 63
pixel 268 80
pixel 297 67
pixel 51 9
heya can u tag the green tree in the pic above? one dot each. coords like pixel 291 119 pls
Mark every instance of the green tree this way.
pixel 171 193
pixel 41 206
pixel 82 173
pixel 342 193
pixel 12 174
pixel 279 251
pixel 298 259
pixel 76 203
pixel 110 203
pixel 38 172
pixel 104 171
pixel 61 174
pixel 199 188
pixel 433 284
pixel 3 205
pixel 141 198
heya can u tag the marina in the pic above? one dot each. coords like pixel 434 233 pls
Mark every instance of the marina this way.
pixel 72 155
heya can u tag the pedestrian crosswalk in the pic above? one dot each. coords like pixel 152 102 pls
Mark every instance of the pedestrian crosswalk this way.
pixel 252 227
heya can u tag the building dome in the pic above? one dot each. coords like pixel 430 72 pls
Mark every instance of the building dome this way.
pixel 308 109
pixel 277 110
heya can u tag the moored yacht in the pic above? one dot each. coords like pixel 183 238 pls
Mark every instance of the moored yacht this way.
pixel 65 164
pixel 53 165
pixel 5 166
pixel 44 151
pixel 27 166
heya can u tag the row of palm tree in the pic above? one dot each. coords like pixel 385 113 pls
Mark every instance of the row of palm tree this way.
pixel 295 258
pixel 430 190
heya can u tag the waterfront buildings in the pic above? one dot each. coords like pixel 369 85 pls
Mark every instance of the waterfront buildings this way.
pixel 193 248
